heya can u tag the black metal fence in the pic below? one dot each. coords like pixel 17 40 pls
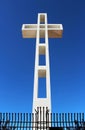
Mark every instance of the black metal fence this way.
pixel 25 121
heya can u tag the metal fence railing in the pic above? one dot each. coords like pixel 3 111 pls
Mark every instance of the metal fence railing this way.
pixel 25 121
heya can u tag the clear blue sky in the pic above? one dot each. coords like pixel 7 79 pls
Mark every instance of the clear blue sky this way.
pixel 67 55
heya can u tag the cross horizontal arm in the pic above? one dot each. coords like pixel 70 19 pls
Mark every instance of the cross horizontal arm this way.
pixel 30 30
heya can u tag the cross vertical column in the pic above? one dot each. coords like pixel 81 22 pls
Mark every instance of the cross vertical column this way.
pixel 42 71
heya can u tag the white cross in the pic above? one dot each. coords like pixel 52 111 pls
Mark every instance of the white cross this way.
pixel 42 30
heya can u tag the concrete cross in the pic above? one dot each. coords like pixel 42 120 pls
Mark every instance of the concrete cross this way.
pixel 42 30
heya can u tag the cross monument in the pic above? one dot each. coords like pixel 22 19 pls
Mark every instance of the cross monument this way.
pixel 42 30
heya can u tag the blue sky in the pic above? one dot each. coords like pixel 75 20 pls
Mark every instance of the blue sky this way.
pixel 67 55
